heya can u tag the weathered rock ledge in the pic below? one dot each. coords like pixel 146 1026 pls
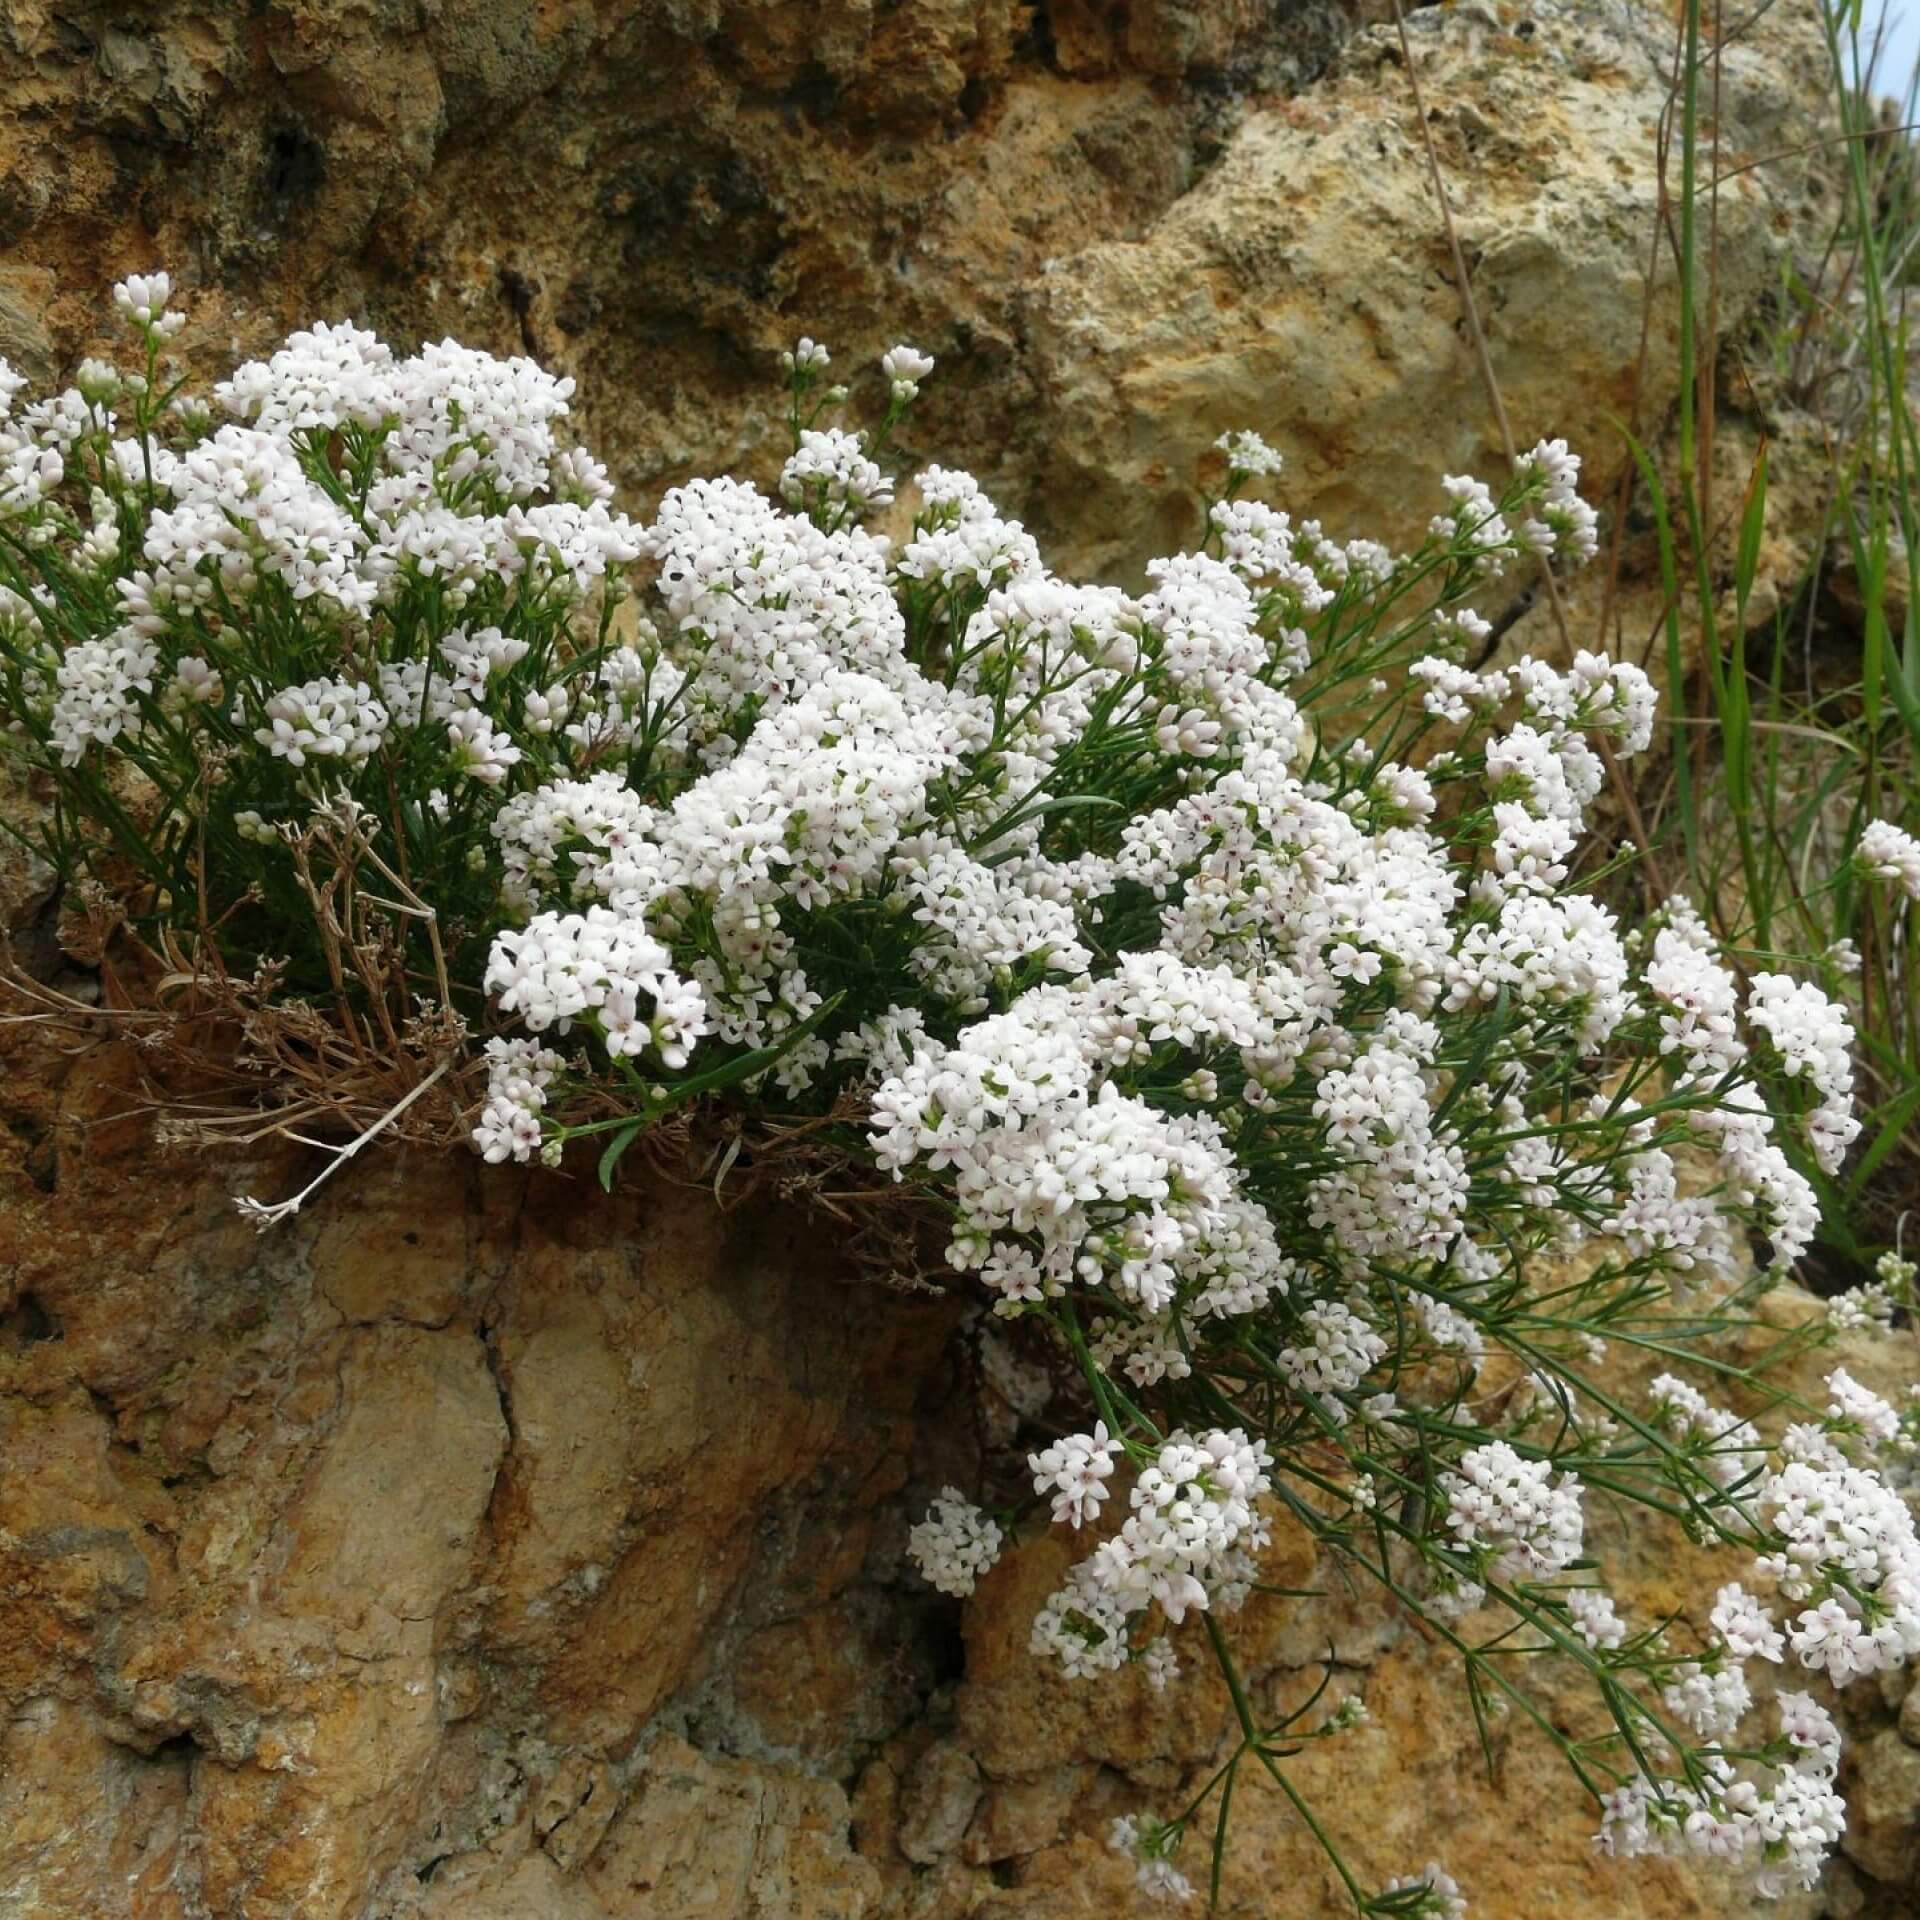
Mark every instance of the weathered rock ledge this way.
pixel 480 1548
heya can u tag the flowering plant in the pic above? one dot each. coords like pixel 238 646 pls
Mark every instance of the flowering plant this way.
pixel 1205 960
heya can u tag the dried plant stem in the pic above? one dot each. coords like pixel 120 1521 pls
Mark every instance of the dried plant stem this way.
pixel 263 1215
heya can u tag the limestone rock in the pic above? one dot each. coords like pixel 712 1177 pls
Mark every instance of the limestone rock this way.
pixel 733 1841
pixel 81 1814
pixel 330 1557
pixel 1304 286
pixel 937 1807
pixel 704 1839
pixel 481 1548
pixel 466 1550
pixel 1121 229
pixel 1022 1816
pixel 1882 1783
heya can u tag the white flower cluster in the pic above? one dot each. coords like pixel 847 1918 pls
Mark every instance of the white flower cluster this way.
pixel 1075 1471
pixel 1699 1030
pixel 1725 1447
pixel 1813 1039
pixel 1839 1545
pixel 98 681
pixel 1888 852
pixel 1561 522
pixel 273 592
pixel 1187 1542
pixel 1438 1895
pixel 1147 1843
pixel 955 1544
pixel 1779 1822
pixel 1514 1513
pixel 831 470
pixel 1849 1559
pixel 1872 1305
pixel 323 720
pixel 143 298
pixel 1595 1617
pixel 905 367
pixel 1249 455
pixel 1244 1034
pixel 519 1072
pixel 562 967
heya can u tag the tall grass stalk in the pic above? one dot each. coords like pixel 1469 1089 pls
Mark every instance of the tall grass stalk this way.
pixel 1815 715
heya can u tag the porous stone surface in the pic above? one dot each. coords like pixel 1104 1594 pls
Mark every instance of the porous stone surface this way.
pixel 1123 226
pixel 478 1547
pixel 406 1537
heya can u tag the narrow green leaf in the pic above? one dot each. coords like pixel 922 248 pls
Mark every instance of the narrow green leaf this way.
pixel 1899 1114
pixel 728 1074
pixel 1065 803
pixel 1753 521
pixel 1906 700
pixel 1910 628
pixel 616 1149
pixel 1469 1074
pixel 1873 647
pixel 1676 688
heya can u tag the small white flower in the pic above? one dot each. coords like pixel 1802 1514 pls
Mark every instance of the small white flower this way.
pixel 143 297
pixel 905 367
pixel 1149 1844
pixel 1888 852
pixel 1160 1664
pixel 1515 1510
pixel 1075 1471
pixel 1249 455
pixel 1440 1895
pixel 809 356
pixel 955 1544
pixel 1595 1618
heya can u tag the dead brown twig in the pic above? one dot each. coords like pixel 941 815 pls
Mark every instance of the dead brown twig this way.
pixel 231 1060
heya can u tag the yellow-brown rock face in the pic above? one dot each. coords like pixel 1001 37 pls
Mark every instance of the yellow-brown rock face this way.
pixel 1122 228
pixel 477 1547
pixel 385 1540
pixel 480 1547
